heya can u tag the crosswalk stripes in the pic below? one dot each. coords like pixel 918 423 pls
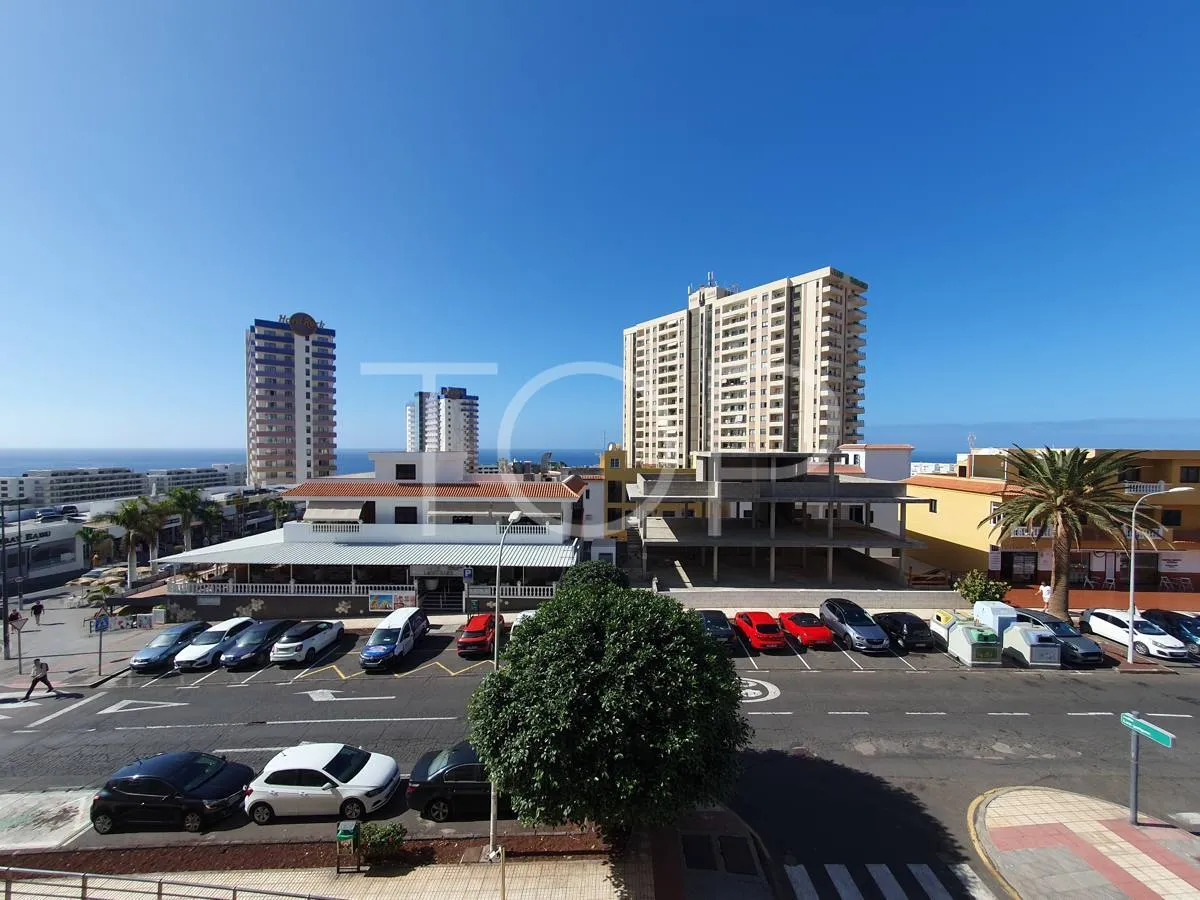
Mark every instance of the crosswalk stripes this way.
pixel 886 881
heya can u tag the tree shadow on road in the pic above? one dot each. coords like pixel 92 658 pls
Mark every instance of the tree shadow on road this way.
pixel 807 809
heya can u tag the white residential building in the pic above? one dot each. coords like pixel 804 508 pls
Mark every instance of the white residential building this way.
pixel 775 368
pixel 447 421
pixel 216 475
pixel 291 421
pixel 55 487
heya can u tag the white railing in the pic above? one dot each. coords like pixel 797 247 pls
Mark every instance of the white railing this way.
pixel 319 590
pixel 1143 487
pixel 1153 531
pixel 501 528
pixel 541 592
pixel 1024 531
pixel 435 531
pixel 335 527
pixel 38 884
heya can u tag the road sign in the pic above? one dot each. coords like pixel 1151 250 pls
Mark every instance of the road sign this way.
pixel 1146 729
pixel 18 624
pixel 101 623
pixel 468 574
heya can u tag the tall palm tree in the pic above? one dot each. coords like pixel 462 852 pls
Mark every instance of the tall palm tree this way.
pixel 141 521
pixel 280 509
pixel 1066 491
pixel 211 517
pixel 92 538
pixel 186 502
pixel 157 515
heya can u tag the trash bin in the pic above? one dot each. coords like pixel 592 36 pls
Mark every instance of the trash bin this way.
pixel 995 615
pixel 160 615
pixel 145 620
pixel 974 645
pixel 347 846
pixel 943 622
pixel 1034 646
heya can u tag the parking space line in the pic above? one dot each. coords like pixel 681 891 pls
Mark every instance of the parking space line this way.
pixel 63 712
pixel 747 651
pixel 256 674
pixel 318 661
pixel 902 659
pixel 851 658
pixel 1170 715
pixel 799 655
pixel 156 678
pixel 845 712
pixel 1089 714
pixel 924 713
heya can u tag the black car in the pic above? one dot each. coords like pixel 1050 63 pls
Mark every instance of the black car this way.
pixel 161 652
pixel 906 630
pixel 1184 627
pixel 253 646
pixel 186 789
pixel 448 782
pixel 716 624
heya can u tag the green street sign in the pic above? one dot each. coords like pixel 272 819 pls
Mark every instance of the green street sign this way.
pixel 1146 729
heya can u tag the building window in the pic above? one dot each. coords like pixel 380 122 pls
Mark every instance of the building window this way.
pixel 614 462
pixel 406 515
pixel 616 492
pixel 933 506
pixel 1189 474
pixel 462 520
pixel 1172 518
pixel 406 471
pixel 1133 473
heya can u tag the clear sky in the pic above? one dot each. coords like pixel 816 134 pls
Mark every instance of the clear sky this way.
pixel 515 182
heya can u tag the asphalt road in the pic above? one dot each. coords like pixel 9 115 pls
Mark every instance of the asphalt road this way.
pixel 848 765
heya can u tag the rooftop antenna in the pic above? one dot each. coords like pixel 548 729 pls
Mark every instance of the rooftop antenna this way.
pixel 971 454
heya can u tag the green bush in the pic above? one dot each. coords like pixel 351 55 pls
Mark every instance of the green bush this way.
pixel 380 842
pixel 591 576
pixel 976 586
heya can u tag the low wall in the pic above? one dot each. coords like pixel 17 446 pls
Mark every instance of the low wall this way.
pixel 810 598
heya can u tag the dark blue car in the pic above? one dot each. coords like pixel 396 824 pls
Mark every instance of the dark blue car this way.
pixel 1184 627
pixel 160 653
pixel 253 646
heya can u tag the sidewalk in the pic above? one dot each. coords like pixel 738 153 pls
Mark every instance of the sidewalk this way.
pixel 1045 843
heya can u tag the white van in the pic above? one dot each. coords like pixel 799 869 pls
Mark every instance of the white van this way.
pixel 394 637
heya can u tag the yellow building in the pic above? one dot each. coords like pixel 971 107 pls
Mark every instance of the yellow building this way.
pixel 618 474
pixel 1168 557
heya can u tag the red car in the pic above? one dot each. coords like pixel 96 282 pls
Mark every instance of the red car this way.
pixel 807 629
pixel 478 634
pixel 760 631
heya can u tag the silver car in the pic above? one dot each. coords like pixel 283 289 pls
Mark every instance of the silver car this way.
pixel 1075 647
pixel 852 626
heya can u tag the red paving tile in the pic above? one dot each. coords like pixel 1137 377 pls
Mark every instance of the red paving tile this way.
pixel 1026 837
pixel 1154 849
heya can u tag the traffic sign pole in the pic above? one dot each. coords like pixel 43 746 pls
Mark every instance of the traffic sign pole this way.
pixel 1134 739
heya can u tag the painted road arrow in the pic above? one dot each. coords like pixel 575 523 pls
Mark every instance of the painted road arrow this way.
pixel 138 706
pixel 325 694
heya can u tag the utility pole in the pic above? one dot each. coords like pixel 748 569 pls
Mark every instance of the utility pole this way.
pixel 4 577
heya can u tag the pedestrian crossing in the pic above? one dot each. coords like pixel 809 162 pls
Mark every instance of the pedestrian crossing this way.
pixel 887 881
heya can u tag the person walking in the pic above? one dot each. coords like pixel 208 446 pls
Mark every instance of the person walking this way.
pixel 41 672
pixel 1047 594
pixel 37 609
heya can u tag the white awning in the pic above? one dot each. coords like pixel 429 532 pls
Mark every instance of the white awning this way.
pixel 333 511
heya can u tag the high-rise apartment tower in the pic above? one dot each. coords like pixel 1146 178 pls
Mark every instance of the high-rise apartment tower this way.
pixel 775 367
pixel 447 420
pixel 291 425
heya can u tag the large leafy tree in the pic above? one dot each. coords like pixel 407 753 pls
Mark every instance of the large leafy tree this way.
pixel 187 502
pixel 1066 491
pixel 613 707
pixel 593 575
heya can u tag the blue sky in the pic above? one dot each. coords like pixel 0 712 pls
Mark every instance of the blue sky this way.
pixel 515 182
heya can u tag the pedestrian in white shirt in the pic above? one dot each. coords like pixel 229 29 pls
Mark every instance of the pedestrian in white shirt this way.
pixel 41 672
pixel 1047 593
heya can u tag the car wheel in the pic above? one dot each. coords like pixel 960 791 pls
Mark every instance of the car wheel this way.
pixel 104 823
pixel 1140 648
pixel 310 655
pixel 438 810
pixel 353 809
pixel 261 814
pixel 193 822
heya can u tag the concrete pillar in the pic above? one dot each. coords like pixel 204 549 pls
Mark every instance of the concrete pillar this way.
pixel 772 521
pixel 903 520
pixel 866 515
pixel 771 553
pixel 753 556
pixel 715 554
pixel 829 564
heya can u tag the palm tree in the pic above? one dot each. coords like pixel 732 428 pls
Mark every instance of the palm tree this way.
pixel 102 593
pixel 1066 491
pixel 280 509
pixel 141 521
pixel 211 517
pixel 186 502
pixel 156 515
pixel 92 538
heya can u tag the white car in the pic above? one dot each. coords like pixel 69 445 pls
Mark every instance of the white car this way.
pixel 205 650
pixel 524 616
pixel 322 780
pixel 1148 638
pixel 303 643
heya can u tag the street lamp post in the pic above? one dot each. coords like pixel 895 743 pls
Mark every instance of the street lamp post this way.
pixel 513 518
pixel 1133 559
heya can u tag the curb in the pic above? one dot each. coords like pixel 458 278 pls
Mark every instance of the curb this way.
pixel 975 813
pixel 110 677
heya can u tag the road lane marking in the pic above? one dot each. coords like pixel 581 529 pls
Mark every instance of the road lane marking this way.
pixel 1169 715
pixel 801 883
pixel 1090 714
pixel 63 712
pixel 972 882
pixel 768 713
pixel 843 882
pixel 886 881
pixel 138 706
pixel 288 722
pixel 929 881
pixel 1008 714
pixel 847 712
pixel 324 695
pixel 747 649
pixel 249 749
pixel 924 713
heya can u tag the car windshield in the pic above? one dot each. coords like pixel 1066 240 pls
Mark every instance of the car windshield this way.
pixel 473 632
pixel 210 637
pixel 251 636
pixel 300 634
pixel 166 639
pixel 805 619
pixel 1143 627
pixel 385 636
pixel 767 628
pixel 199 770
pixel 857 617
pixel 1062 629
pixel 347 763
pixel 440 761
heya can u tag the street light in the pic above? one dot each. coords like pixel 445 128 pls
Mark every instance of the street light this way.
pixel 1133 558
pixel 513 518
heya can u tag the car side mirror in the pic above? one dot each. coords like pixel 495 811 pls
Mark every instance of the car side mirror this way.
pixel 327 786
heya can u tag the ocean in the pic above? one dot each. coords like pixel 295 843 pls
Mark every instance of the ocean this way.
pixel 17 462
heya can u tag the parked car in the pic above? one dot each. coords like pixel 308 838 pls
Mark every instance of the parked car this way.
pixel 184 788
pixel 394 637
pixel 523 616
pixel 206 648
pixel 1148 638
pixel 1182 627
pixel 906 630
pixel 446 782
pixel 303 643
pixel 852 626
pixel 253 646
pixel 760 631
pixel 716 624
pixel 322 780
pixel 161 652
pixel 806 628
pixel 1076 648
pixel 478 635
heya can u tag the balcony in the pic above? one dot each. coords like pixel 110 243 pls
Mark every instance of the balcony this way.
pixel 425 533
pixel 1144 487
pixel 275 590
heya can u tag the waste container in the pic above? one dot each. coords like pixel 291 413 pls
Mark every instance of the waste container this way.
pixel 1034 646
pixel 943 622
pixel 974 645
pixel 348 847
pixel 995 615
pixel 160 615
